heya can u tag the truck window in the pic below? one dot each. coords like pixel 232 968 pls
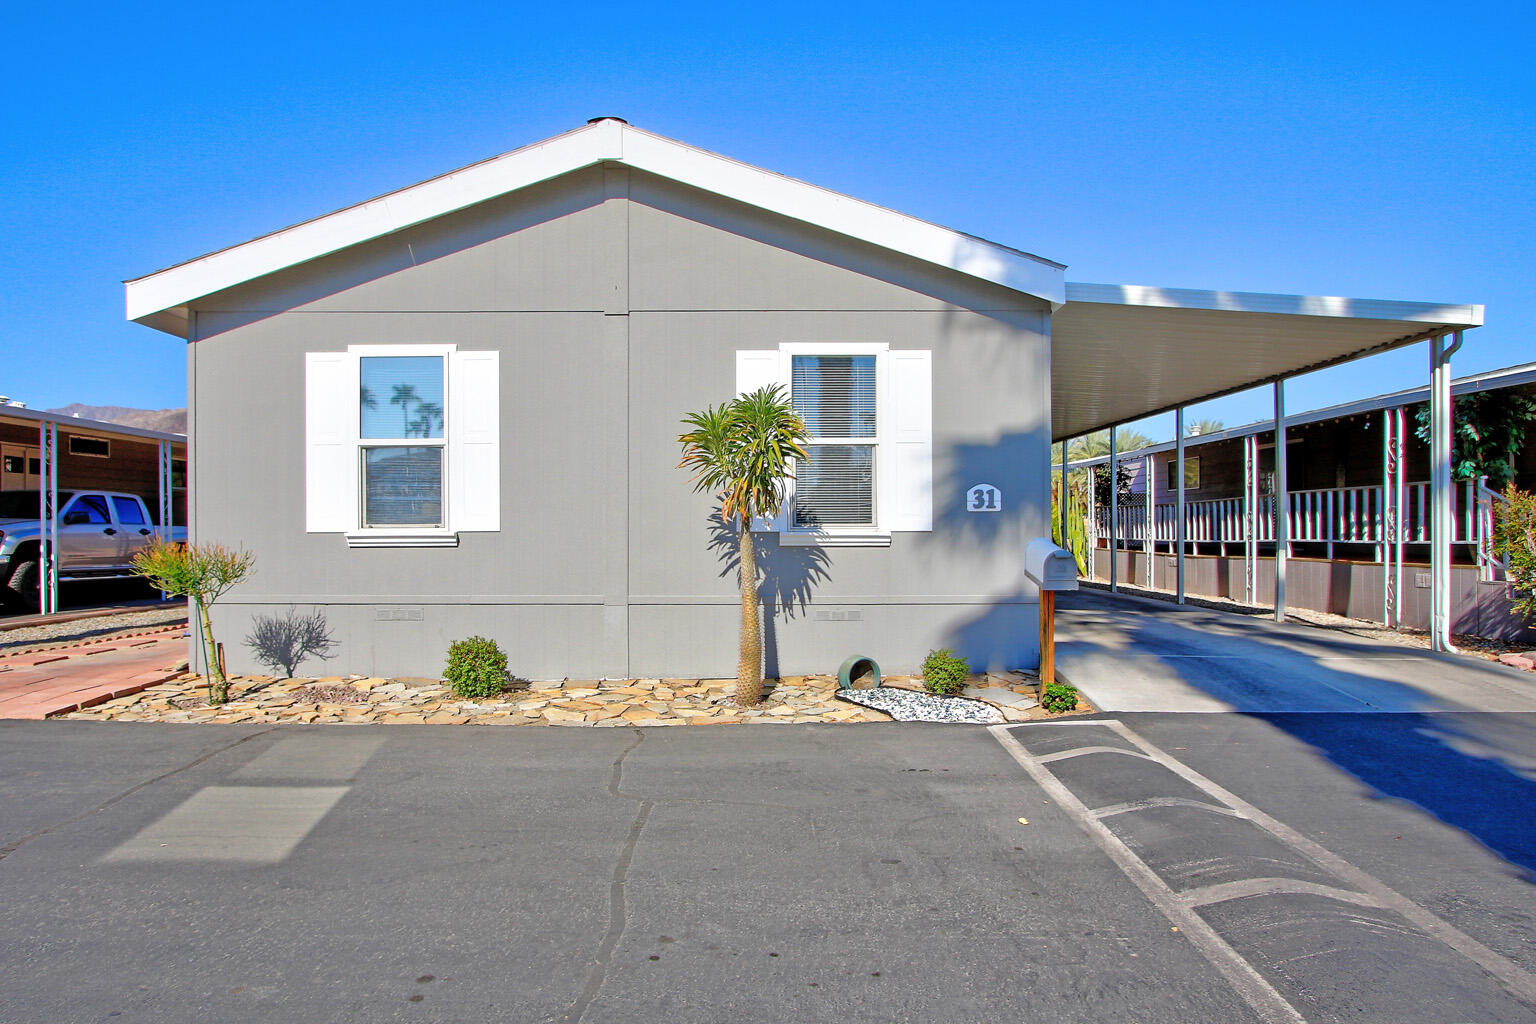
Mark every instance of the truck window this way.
pixel 88 508
pixel 129 511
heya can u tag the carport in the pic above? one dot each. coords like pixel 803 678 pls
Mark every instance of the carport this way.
pixel 48 452
pixel 1123 352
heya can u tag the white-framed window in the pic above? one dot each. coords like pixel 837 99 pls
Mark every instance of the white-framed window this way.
pixel 402 400
pixel 868 410
pixel 403 446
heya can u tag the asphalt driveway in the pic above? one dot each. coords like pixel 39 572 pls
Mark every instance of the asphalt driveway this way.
pixel 784 873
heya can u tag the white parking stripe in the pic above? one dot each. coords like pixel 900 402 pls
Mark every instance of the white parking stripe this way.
pixel 1371 891
pixel 1509 974
pixel 1266 1001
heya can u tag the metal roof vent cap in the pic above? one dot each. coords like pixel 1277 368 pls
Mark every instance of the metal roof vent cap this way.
pixel 610 117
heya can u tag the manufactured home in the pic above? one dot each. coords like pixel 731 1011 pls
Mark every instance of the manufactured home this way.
pixel 454 409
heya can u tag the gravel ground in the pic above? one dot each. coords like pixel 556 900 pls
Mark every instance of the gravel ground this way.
pixel 105 627
pixel 910 706
pixel 1473 646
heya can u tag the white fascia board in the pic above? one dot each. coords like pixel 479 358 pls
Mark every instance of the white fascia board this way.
pixel 606 140
pixel 1493 380
pixel 333 232
pixel 845 215
pixel 1260 302
pixel 75 424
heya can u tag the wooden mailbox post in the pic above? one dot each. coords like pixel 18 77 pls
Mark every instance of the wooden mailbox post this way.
pixel 1051 568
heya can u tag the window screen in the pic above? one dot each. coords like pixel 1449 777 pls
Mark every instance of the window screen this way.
pixel 836 396
pixel 403 486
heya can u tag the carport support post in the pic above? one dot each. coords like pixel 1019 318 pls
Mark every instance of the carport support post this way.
pixel 1114 515
pixel 1149 544
pixel 48 518
pixel 1178 526
pixel 1440 490
pixel 1061 501
pixel 1282 503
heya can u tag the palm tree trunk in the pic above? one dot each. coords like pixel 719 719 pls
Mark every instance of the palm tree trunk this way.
pixel 749 670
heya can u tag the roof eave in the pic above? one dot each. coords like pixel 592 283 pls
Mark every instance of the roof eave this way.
pixel 609 140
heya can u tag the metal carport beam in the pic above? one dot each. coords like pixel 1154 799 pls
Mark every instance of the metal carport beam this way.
pixel 1122 352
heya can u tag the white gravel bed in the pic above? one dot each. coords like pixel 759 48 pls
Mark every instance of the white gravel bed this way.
pixel 55 634
pixel 911 706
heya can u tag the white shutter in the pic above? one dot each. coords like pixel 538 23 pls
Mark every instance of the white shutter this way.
pixel 756 369
pixel 911 435
pixel 759 369
pixel 474 441
pixel 330 442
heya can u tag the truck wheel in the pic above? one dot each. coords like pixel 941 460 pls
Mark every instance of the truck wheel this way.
pixel 23 584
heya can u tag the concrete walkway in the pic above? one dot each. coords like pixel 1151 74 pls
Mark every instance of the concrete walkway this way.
pixel 1133 654
pixel 52 682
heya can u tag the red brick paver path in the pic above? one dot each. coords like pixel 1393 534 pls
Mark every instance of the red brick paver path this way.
pixel 52 682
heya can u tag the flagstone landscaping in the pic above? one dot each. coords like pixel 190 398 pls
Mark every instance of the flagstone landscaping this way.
pixel 606 703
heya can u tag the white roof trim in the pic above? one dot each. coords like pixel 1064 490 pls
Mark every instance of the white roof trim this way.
pixel 78 424
pixel 1261 302
pixel 607 140
pixel 1493 380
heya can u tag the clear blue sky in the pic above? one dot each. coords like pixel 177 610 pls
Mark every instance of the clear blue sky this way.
pixel 1374 150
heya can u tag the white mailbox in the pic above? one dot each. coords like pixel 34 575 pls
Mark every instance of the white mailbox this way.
pixel 1049 566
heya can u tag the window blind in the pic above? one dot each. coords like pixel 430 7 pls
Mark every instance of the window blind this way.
pixel 835 395
pixel 835 486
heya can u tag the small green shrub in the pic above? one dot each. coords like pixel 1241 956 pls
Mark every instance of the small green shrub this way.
pixel 477 668
pixel 945 672
pixel 1059 698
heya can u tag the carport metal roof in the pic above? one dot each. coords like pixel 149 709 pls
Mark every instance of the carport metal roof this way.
pixel 1121 352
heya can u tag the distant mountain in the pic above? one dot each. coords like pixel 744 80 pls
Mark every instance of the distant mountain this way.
pixel 171 421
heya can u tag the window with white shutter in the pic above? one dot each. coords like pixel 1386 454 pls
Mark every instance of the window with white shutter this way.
pixel 402 444
pixel 837 396
pixel 868 411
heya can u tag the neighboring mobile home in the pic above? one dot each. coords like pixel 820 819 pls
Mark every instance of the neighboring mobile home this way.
pixel 454 410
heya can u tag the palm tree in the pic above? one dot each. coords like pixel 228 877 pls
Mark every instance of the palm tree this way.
pixel 404 395
pixel 740 452
pixel 1091 446
pixel 1199 427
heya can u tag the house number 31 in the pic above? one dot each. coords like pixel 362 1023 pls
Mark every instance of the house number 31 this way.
pixel 983 498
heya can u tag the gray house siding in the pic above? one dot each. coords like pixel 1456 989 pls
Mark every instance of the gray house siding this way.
pixel 618 302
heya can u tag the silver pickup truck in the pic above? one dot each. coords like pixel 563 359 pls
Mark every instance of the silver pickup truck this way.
pixel 99 533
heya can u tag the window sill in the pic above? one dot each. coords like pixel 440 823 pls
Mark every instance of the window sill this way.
pixel 834 540
pixel 402 539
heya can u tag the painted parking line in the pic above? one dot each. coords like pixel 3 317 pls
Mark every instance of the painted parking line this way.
pixel 1325 884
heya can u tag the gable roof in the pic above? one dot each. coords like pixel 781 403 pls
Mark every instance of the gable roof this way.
pixel 160 299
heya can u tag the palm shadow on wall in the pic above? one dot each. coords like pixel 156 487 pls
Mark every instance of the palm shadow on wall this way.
pixel 1002 636
pixel 786 578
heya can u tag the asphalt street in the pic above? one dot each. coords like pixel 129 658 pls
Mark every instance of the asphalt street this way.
pixel 1183 868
